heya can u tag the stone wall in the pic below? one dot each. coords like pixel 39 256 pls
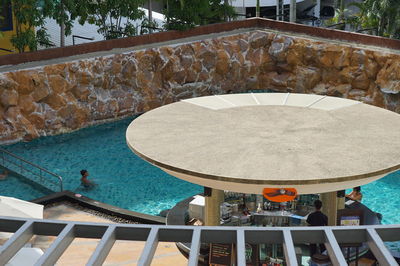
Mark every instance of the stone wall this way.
pixel 58 98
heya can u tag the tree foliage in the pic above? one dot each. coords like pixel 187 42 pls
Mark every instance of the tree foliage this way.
pixel 29 25
pixel 382 15
pixel 115 18
pixel 64 12
pixel 182 15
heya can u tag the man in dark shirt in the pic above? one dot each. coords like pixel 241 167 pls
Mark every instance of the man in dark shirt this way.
pixel 317 218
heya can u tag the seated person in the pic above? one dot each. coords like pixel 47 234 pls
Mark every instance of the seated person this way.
pixel 355 194
pixel 4 175
pixel 85 181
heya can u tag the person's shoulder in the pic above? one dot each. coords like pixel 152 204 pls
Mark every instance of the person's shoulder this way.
pixel 312 215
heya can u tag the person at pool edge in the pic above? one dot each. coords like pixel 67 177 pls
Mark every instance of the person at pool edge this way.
pixel 85 181
pixel 355 194
pixel 317 218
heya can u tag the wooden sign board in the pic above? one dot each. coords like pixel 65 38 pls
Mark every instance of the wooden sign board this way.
pixel 221 255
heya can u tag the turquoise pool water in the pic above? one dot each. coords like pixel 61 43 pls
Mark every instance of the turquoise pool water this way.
pixel 15 186
pixel 124 179
pixel 128 182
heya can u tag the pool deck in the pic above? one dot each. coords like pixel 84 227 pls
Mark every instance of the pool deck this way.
pixel 122 253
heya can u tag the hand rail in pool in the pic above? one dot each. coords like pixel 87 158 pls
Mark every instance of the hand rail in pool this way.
pixel 20 167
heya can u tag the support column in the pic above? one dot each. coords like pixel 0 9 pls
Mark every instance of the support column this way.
pixel 329 206
pixel 317 9
pixel 278 10
pixel 341 199
pixel 150 15
pixel 212 212
pixel 292 11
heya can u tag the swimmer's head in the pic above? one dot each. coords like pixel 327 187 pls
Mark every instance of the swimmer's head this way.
pixel 84 172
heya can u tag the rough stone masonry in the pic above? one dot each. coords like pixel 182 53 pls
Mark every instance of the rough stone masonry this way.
pixel 62 97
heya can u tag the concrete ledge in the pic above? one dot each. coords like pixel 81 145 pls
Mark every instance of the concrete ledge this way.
pixel 260 23
pixel 99 206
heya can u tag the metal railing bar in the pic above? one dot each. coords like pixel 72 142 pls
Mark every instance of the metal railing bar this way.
pixel 379 249
pixel 394 227
pixel 194 248
pixel 103 248
pixel 288 248
pixel 7 50
pixel 18 165
pixel 32 164
pixel 35 175
pixel 16 242
pixel 149 248
pixel 28 162
pixel 25 169
pixel 66 231
pixel 334 251
pixel 54 252
pixel 240 247
pixel 81 37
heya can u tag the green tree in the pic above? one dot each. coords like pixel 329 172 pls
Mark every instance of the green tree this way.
pixel 115 18
pixel 340 17
pixel 148 26
pixel 382 15
pixel 182 15
pixel 29 25
pixel 64 12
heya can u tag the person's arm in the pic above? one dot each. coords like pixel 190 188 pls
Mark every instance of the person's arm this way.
pixel 308 219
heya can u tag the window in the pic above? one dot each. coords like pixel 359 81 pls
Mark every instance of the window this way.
pixel 5 15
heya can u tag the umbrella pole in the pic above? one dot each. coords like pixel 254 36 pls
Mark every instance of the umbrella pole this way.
pixel 212 206
pixel 330 206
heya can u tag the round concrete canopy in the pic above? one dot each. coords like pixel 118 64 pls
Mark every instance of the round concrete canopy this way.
pixel 247 142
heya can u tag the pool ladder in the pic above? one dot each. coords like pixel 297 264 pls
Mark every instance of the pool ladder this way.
pixel 29 170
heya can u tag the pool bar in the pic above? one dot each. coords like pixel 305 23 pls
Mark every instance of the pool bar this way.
pixel 66 231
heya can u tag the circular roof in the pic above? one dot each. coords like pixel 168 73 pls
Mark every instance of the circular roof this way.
pixel 247 142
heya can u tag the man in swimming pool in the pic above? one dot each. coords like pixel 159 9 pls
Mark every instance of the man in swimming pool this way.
pixel 85 181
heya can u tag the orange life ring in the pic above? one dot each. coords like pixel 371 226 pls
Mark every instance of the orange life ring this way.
pixel 280 194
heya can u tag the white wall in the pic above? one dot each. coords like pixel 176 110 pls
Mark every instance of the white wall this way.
pixel 86 30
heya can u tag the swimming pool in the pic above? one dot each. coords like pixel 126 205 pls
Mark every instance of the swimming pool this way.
pixel 124 179
pixel 128 182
